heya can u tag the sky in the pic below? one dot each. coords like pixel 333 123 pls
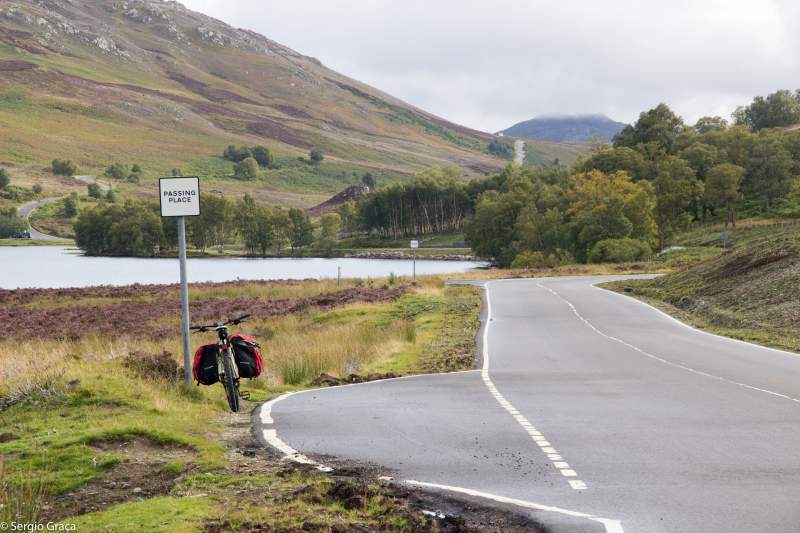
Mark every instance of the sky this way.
pixel 492 63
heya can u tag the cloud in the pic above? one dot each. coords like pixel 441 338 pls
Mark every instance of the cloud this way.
pixel 491 64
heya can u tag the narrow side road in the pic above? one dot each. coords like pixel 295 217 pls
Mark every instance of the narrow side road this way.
pixel 591 411
pixel 25 212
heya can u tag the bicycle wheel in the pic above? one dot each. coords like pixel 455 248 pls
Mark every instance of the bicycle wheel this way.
pixel 231 383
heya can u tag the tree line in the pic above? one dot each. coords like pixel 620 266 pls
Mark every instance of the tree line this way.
pixel 136 228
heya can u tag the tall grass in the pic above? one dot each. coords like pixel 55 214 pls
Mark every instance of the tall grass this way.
pixel 300 351
pixel 21 501
pixel 30 370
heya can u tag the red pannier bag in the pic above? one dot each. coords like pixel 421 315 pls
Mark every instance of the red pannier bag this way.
pixel 248 358
pixel 204 367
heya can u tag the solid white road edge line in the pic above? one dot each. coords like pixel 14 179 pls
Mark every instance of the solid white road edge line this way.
pixel 688 326
pixel 666 361
pixel 536 436
pixel 612 526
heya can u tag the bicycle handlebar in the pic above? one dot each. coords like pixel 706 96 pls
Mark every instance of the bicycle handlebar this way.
pixel 230 321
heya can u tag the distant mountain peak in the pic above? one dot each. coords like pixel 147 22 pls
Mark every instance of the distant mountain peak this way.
pixel 566 128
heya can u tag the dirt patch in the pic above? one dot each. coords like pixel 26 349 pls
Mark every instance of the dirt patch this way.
pixel 291 111
pixel 140 475
pixel 11 65
pixel 7 437
pixel 326 380
pixel 273 129
pixel 746 263
pixel 214 94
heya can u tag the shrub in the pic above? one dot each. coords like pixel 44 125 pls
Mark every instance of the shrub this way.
pixel 235 154
pixel 262 155
pixel 37 189
pixel 246 169
pixel 529 259
pixel 161 367
pixel 5 178
pixel 94 191
pixel 117 171
pixel 70 208
pixel 619 250
pixel 316 156
pixel 64 167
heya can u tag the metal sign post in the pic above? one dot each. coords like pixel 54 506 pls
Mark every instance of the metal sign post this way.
pixel 180 198
pixel 414 246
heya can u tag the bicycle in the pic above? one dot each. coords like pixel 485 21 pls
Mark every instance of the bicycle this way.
pixel 226 364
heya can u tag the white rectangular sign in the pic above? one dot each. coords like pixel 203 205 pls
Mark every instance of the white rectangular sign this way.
pixel 179 197
pixel 415 244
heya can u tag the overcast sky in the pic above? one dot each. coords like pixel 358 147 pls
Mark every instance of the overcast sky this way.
pixel 489 64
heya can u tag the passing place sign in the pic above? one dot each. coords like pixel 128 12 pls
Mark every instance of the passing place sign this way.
pixel 179 197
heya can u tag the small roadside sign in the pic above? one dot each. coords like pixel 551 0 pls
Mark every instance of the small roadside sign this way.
pixel 415 244
pixel 179 197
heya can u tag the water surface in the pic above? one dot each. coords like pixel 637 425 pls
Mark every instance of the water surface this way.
pixel 59 267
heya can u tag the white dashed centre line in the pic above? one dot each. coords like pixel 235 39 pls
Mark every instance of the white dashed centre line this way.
pixel 537 437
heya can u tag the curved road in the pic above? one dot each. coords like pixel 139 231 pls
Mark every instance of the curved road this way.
pixel 592 412
pixel 25 212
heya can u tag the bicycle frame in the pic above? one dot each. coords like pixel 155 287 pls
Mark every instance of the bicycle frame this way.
pixel 224 350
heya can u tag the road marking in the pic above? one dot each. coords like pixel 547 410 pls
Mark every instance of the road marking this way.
pixel 537 436
pixel 612 526
pixel 672 363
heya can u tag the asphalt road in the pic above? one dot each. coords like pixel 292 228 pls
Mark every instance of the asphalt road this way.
pixel 592 412
pixel 25 211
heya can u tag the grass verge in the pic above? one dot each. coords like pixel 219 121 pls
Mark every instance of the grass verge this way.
pixel 90 438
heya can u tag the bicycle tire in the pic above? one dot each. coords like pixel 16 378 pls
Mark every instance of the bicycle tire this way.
pixel 230 382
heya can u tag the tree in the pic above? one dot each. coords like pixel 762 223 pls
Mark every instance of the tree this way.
pixel 779 109
pixel 675 188
pixel 658 126
pixel 701 157
pixel 63 168
pixel 247 169
pixel 623 159
pixel 349 215
pixel 302 231
pixel 368 180
pixel 263 156
pixel 11 224
pixel 255 226
pixel 329 228
pixel 707 124
pixel 769 166
pixel 235 154
pixel 134 229
pixel 5 178
pixel 281 227
pixel 70 208
pixel 94 191
pixel 722 189
pixel 316 156
pixel 213 225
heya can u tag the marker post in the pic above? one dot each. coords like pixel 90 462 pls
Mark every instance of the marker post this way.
pixel 414 246
pixel 180 197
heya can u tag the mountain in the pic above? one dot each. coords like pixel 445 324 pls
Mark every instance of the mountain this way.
pixel 154 83
pixel 566 128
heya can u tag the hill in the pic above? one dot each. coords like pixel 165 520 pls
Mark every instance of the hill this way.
pixel 749 291
pixel 152 82
pixel 566 128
